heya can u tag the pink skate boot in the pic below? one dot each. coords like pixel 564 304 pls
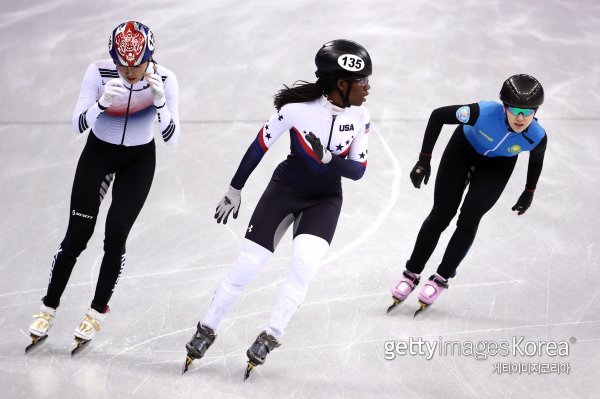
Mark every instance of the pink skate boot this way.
pixel 431 291
pixel 402 290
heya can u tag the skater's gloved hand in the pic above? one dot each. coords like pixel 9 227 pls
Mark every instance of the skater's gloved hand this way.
pixel 113 88
pixel 157 87
pixel 229 203
pixel 322 153
pixel 524 201
pixel 421 170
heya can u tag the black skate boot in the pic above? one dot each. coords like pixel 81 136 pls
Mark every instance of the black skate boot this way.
pixel 257 353
pixel 198 345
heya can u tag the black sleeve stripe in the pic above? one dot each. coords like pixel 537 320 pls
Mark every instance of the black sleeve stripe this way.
pixel 168 132
pixel 82 122
pixel 167 136
pixel 108 73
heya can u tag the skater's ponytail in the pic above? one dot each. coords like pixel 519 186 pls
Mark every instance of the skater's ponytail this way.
pixel 303 91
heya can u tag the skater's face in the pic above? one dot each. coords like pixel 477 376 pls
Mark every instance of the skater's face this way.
pixel 519 122
pixel 358 92
pixel 133 74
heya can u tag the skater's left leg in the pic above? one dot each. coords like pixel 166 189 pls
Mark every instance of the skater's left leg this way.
pixel 313 231
pixel 307 253
pixel 486 185
pixel 130 190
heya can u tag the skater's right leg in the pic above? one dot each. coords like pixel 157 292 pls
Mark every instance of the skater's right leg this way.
pixel 92 177
pixel 230 289
pixel 452 177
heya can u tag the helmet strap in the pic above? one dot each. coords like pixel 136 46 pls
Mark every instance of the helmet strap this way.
pixel 344 96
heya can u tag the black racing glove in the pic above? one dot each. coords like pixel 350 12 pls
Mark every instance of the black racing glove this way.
pixel 421 170
pixel 524 201
pixel 323 154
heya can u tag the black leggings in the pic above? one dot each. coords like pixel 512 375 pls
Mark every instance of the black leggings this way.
pixel 460 166
pixel 133 169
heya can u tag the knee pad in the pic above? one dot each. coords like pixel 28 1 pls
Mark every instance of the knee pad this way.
pixel 307 253
pixel 247 264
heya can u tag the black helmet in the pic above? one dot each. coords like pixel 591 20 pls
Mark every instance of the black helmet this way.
pixel 522 91
pixel 342 58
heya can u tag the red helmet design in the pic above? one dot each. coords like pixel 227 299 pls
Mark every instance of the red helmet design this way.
pixel 131 44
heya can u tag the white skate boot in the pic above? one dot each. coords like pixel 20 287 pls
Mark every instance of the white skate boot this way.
pixel 38 330
pixel 87 329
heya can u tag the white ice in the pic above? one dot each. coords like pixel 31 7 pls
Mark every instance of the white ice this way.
pixel 533 276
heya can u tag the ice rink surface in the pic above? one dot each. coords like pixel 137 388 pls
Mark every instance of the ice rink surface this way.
pixel 534 276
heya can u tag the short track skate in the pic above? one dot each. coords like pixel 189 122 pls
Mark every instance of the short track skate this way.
pixel 35 341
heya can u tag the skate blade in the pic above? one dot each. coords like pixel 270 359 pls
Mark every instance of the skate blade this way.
pixel 186 365
pixel 396 303
pixel 422 308
pixel 79 345
pixel 35 341
pixel 249 369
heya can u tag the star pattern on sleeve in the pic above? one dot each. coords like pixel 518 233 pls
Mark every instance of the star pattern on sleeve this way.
pixel 361 155
pixel 280 117
pixel 339 147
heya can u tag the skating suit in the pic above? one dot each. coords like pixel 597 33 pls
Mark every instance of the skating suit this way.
pixel 303 190
pixel 480 155
pixel 120 145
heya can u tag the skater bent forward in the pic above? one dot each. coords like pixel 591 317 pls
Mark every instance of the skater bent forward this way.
pixel 482 154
